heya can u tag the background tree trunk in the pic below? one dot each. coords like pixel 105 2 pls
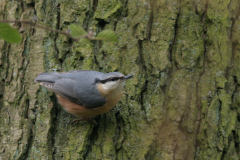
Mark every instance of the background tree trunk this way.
pixel 182 104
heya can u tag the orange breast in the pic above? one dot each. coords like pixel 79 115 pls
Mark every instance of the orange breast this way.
pixel 80 111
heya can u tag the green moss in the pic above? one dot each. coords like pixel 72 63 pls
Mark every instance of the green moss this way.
pixel 189 42
pixel 183 95
pixel 77 146
pixel 107 8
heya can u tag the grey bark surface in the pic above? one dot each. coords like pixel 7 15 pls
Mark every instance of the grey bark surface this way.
pixel 183 102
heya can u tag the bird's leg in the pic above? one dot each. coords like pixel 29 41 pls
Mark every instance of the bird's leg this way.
pixel 84 119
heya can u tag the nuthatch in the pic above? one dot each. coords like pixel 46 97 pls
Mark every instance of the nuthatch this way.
pixel 85 93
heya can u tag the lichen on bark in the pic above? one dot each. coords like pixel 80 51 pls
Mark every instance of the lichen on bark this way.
pixel 182 103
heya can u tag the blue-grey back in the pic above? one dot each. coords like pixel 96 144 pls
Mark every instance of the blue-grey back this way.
pixel 78 86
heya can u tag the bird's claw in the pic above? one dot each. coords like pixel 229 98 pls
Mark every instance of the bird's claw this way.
pixel 84 119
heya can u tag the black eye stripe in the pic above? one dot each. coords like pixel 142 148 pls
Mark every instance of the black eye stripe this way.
pixel 109 79
pixel 114 79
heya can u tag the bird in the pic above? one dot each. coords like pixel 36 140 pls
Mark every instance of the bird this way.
pixel 85 93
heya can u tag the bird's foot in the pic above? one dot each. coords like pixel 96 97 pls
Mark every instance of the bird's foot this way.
pixel 84 119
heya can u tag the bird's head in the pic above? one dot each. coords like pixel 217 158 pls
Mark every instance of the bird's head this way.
pixel 113 81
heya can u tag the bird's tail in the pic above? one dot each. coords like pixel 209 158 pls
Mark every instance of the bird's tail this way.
pixel 47 77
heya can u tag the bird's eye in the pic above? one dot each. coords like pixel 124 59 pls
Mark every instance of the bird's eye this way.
pixel 113 79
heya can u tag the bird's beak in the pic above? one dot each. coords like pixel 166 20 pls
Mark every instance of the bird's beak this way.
pixel 127 77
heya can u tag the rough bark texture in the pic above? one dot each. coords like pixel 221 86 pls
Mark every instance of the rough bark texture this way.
pixel 182 104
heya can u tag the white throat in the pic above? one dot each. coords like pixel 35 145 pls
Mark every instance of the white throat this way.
pixel 113 85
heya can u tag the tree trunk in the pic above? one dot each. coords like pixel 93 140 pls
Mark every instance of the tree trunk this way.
pixel 182 104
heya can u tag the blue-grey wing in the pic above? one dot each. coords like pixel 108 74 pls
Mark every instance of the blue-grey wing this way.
pixel 64 87
pixel 79 92
pixel 74 71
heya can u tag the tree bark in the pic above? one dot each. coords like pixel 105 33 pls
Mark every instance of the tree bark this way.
pixel 182 104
